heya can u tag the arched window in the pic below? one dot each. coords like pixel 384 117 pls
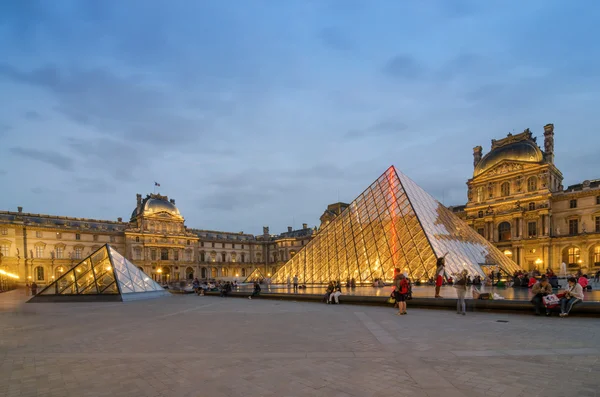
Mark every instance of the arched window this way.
pixel 505 189
pixel 480 214
pixel 595 257
pixel 137 239
pixel 532 184
pixel 39 273
pixel 213 272
pixel 189 273
pixel 203 272
pixel 243 272
pixel 504 231
pixel 164 254
pixel 224 272
pixel 572 256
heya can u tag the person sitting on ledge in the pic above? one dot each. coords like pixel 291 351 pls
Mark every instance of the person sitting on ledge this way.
pixel 256 291
pixel 532 281
pixel 583 281
pixel 572 295
pixel 540 289
pixel 329 291
pixel 335 295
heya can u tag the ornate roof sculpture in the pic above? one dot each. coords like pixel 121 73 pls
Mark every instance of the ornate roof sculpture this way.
pixel 105 275
pixel 392 224
pixel 521 148
pixel 155 204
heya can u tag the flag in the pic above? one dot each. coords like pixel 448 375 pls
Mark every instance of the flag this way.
pixel 156 184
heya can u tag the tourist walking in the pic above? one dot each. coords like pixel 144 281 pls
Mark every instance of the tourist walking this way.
pixel 401 293
pixel 440 271
pixel 573 295
pixel 461 291
pixel 295 283
pixel 34 288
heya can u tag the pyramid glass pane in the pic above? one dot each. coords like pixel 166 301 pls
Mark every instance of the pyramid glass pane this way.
pixel 392 224
pixel 129 277
pixel 256 275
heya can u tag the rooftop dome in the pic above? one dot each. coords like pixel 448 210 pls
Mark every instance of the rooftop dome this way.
pixel 524 151
pixel 155 204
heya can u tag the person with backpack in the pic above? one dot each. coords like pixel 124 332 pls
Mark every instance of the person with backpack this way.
pixel 402 290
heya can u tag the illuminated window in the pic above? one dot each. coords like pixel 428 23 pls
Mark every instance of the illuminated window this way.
pixel 4 249
pixel 532 229
pixel 598 224
pixel 505 189
pixel 223 272
pixel 573 256
pixel 532 184
pixel 4 231
pixel 59 252
pixel 213 272
pixel 597 255
pixel 39 251
pixel 39 273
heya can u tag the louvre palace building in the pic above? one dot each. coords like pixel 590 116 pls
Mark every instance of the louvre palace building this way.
pixel 40 248
pixel 517 201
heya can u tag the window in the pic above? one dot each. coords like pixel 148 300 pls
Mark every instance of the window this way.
pixel 188 255
pixel 213 245
pixel 78 252
pixel 77 236
pixel 202 244
pixel 95 237
pixel 137 253
pixel 532 229
pixel 39 273
pixel 222 245
pixel 243 273
pixel 480 194
pixel 504 231
pixel 481 231
pixel 573 203
pixel 4 231
pixel 223 272
pixel 223 256
pixel 58 236
pixel 164 254
pixel 243 244
pixel 213 272
pixel 573 226
pixel 596 255
pixel 39 251
pixel 598 224
pixel 112 239
pixel 532 184
pixel 480 214
pixel 176 255
pixel 153 255
pixel 597 200
pixel 505 189
pixel 59 252
pixel 137 239
pixel 244 256
pixel 203 272
pixel 39 234
pixel 4 249
pixel 531 206
pixel 573 256
pixel 202 257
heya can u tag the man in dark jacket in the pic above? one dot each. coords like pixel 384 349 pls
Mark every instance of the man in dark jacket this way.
pixel 540 289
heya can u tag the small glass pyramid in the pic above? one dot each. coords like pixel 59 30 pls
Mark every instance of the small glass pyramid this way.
pixel 392 224
pixel 256 275
pixel 105 275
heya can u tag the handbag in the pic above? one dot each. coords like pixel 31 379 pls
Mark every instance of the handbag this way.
pixel 551 301
pixel 391 300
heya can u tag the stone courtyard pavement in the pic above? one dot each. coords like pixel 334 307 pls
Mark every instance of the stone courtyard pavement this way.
pixel 208 346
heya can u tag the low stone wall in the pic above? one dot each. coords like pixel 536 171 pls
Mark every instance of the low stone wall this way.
pixel 587 308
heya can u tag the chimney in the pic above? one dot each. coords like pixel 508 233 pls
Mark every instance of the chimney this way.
pixel 172 201
pixel 549 142
pixel 305 226
pixel 119 219
pixel 139 203
pixel 477 152
pixel 289 229
pixel 20 209
pixel 265 230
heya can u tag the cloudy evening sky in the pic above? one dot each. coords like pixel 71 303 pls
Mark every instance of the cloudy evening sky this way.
pixel 261 112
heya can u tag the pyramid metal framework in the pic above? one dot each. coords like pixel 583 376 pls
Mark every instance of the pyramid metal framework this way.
pixel 256 275
pixel 394 223
pixel 105 275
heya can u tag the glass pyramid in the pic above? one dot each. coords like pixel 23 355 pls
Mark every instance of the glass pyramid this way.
pixel 392 224
pixel 256 275
pixel 104 275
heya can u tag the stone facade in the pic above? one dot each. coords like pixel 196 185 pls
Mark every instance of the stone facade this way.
pixel 517 201
pixel 39 247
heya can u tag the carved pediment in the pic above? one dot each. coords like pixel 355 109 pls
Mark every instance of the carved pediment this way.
pixel 505 168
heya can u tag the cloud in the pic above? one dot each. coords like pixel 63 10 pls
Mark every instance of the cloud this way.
pixel 334 39
pixel 93 185
pixel 55 159
pixel 382 128
pixel 32 115
pixel 403 66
